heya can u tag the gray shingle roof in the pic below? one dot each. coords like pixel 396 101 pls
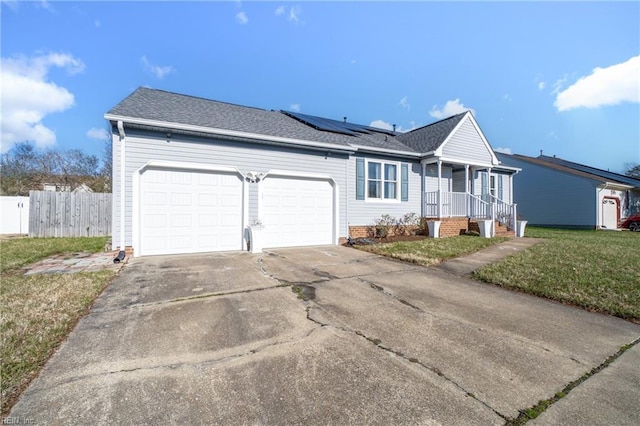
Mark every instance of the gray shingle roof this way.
pixel 159 105
pixel 572 168
pixel 431 136
pixel 611 176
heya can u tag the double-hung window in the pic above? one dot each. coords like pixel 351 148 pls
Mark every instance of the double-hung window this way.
pixel 382 180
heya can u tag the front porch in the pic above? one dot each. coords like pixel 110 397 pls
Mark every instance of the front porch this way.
pixel 440 205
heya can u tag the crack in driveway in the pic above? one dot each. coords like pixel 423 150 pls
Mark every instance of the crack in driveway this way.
pixel 201 359
pixel 378 343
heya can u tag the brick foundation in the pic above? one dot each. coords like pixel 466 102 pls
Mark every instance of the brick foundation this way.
pixel 449 227
pixel 370 231
pixel 128 251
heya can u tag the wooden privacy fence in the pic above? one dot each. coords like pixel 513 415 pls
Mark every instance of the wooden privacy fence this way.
pixel 68 214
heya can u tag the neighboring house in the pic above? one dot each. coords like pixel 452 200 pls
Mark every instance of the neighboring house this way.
pixel 56 187
pixel 59 187
pixel 557 192
pixel 192 175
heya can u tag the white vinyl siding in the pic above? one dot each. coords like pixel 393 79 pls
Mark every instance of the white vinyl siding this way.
pixel 142 147
pixel 363 213
pixel 431 178
pixel 466 145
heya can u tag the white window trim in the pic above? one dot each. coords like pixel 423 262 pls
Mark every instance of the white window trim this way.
pixel 493 184
pixel 398 181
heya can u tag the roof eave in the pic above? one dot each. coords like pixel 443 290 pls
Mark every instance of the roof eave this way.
pixel 392 152
pixel 230 133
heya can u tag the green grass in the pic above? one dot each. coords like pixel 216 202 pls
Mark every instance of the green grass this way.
pixel 596 270
pixel 39 311
pixel 432 251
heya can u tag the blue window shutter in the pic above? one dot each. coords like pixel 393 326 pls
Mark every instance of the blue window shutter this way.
pixel 499 177
pixel 484 183
pixel 404 195
pixel 360 179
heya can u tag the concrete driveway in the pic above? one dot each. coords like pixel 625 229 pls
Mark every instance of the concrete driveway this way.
pixel 229 339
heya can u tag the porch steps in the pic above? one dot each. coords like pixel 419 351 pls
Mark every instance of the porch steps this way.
pixel 503 231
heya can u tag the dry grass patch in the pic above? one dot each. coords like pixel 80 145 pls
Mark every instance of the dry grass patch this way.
pixel 431 251
pixel 39 311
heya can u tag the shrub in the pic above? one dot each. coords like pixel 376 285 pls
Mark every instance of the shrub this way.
pixel 383 225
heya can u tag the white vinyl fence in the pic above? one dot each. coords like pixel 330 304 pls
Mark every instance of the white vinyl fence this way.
pixel 68 214
pixel 14 217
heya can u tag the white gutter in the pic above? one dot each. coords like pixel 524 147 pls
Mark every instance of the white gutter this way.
pixel 122 183
pixel 363 148
pixel 225 132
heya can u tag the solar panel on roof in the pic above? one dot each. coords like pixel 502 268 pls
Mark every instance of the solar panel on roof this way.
pixel 335 126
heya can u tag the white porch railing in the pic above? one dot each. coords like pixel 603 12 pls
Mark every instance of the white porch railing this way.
pixel 463 204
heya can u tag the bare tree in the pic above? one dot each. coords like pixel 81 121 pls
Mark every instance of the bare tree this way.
pixel 19 169
pixel 24 168
pixel 633 170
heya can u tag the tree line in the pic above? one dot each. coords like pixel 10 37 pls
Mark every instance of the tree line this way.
pixel 24 168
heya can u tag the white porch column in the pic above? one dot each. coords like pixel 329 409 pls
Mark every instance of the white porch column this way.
pixel 466 190
pixel 466 178
pixel 439 188
pixel 424 189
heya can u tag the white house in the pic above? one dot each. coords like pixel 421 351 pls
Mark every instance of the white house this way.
pixel 193 175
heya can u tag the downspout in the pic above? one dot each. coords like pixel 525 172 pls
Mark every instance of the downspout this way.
pixel 121 253
pixel 346 204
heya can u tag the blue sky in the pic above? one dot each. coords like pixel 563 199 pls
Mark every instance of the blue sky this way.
pixel 561 77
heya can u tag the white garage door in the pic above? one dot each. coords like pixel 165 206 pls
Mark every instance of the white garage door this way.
pixel 297 212
pixel 190 212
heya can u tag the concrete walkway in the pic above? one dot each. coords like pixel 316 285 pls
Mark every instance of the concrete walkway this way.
pixel 465 265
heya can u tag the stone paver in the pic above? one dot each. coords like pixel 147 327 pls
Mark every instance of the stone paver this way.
pixel 72 263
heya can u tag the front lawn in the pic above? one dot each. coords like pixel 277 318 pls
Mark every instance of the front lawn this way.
pixel 596 270
pixel 431 250
pixel 39 311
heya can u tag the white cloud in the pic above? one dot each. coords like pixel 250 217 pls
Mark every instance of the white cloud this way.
pixel 557 86
pixel 241 18
pixel 404 103
pixel 542 85
pixel 552 135
pixel 381 124
pixel 97 133
pixel 604 86
pixel 503 150
pixel 46 5
pixel 507 97
pixel 28 96
pixel 292 16
pixel 157 70
pixel 295 107
pixel 97 23
pixel 450 108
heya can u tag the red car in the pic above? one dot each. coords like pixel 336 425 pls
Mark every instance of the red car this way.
pixel 632 223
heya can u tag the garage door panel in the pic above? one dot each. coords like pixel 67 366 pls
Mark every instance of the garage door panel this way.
pixel 190 212
pixel 297 212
